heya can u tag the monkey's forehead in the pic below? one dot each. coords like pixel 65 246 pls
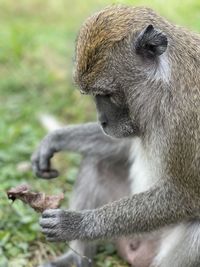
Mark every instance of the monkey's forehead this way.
pixel 101 31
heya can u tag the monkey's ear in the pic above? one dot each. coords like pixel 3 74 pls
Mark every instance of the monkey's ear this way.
pixel 151 42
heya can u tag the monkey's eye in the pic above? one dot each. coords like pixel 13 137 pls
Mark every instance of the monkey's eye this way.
pixel 103 95
pixel 108 95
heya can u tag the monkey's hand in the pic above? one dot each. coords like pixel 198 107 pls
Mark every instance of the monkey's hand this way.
pixel 62 225
pixel 41 159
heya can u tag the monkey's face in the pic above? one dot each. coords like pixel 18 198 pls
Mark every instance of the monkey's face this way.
pixel 115 64
pixel 114 117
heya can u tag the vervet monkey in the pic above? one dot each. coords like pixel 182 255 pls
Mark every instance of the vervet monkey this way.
pixel 143 73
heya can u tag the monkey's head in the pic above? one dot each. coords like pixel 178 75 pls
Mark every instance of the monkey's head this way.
pixel 118 52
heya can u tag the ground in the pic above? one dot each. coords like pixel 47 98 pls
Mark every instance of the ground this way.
pixel 36 61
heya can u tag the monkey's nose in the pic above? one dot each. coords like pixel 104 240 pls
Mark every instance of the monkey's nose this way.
pixel 103 120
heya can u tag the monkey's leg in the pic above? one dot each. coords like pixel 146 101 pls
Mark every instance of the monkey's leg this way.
pixel 72 258
pixel 180 247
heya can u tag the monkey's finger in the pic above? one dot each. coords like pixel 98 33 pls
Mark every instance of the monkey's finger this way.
pixel 55 237
pixel 52 237
pixel 48 223
pixel 35 162
pixel 35 165
pixel 49 231
pixel 50 213
pixel 50 174
pixel 46 174
pixel 45 160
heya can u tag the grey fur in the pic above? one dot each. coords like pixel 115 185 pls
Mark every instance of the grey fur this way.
pixel 73 139
pixel 162 98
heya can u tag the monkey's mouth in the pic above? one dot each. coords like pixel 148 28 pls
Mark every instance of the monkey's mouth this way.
pixel 105 128
pixel 120 129
pixel 103 120
pixel 104 125
pixel 108 129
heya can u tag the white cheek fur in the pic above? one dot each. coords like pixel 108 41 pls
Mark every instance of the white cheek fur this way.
pixel 162 71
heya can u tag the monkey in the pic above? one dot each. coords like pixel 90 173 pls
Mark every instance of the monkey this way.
pixel 143 74
pixel 105 165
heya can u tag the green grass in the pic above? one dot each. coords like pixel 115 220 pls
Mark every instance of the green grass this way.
pixel 36 61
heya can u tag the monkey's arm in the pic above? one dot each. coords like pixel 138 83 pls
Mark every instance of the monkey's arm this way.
pixel 144 212
pixel 85 138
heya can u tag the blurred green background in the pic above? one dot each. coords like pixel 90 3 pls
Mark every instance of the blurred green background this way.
pixel 36 60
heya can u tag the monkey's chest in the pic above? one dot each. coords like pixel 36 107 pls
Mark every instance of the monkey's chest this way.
pixel 144 172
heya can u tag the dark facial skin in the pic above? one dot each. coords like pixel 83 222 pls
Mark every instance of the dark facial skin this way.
pixel 114 118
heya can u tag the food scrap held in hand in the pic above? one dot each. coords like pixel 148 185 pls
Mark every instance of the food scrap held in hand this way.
pixel 37 200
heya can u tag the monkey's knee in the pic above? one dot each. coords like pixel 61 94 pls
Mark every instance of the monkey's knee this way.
pixel 139 252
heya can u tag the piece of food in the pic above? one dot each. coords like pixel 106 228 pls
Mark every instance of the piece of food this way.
pixel 38 201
